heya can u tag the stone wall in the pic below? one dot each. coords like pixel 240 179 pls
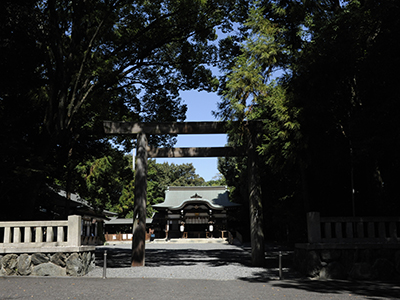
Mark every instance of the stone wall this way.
pixel 355 264
pixel 47 264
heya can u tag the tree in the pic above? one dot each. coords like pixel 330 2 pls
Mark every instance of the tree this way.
pixel 109 183
pixel 331 117
pixel 123 59
pixel 345 85
pixel 104 180
pixel 90 61
pixel 250 95
pixel 161 176
pixel 22 173
pixel 217 180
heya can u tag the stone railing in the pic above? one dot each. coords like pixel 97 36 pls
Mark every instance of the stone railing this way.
pixel 360 248
pixel 352 229
pixel 46 248
pixel 42 236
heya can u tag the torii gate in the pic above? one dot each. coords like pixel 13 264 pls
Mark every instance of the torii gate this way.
pixel 141 130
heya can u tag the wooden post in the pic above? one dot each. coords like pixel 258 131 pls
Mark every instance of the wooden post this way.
pixel 139 211
pixel 255 203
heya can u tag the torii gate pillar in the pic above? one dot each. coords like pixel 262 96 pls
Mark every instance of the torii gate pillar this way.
pixel 139 210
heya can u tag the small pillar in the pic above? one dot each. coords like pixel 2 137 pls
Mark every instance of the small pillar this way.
pixel 74 230
pixel 314 227
pixel 7 235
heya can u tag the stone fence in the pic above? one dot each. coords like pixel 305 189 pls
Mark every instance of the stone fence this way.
pixel 350 247
pixel 352 229
pixel 54 248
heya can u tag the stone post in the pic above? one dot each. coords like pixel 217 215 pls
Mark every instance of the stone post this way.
pixel 74 230
pixel 314 227
pixel 60 234
pixel 17 235
pixel 28 235
pixel 49 234
pixel 7 235
pixel 38 234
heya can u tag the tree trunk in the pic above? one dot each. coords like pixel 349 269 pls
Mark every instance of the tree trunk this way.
pixel 139 211
pixel 255 202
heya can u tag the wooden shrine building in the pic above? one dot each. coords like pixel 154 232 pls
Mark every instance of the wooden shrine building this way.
pixel 193 212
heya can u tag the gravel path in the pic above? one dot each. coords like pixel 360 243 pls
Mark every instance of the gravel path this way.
pixel 190 271
pixel 213 261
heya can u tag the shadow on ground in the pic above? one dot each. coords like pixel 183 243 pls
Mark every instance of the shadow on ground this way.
pixel 241 255
pixel 370 290
pixel 120 257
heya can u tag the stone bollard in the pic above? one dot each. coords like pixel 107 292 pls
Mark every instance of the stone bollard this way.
pixel 105 264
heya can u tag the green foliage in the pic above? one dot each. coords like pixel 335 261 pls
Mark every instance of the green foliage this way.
pixel 282 139
pixel 252 95
pixel 247 79
pixel 67 66
pixel 159 177
pixel 345 81
pixel 101 183
pixel 330 121
pixel 217 180
pixel 126 202
pixel 22 167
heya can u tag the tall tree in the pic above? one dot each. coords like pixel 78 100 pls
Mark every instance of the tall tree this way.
pixel 95 60
pixel 21 114
pixel 121 58
pixel 345 120
pixel 249 94
pixel 326 114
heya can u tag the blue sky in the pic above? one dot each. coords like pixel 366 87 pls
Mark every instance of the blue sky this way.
pixel 200 107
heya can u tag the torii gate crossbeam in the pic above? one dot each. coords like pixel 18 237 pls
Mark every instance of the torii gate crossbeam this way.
pixel 143 152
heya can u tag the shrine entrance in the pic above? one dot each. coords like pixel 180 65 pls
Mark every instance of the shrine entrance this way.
pixel 194 221
pixel 143 152
pixel 193 212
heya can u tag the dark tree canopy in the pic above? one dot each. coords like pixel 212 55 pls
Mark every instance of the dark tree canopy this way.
pixel 331 129
pixel 69 65
pixel 331 118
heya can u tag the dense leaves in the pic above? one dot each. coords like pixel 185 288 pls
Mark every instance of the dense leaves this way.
pixel 345 81
pixel 330 119
pixel 69 65
pixel 159 177
pixel 330 132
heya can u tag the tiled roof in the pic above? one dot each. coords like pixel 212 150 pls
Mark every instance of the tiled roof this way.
pixel 178 196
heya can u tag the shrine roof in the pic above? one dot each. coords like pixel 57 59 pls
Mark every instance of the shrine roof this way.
pixel 176 197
